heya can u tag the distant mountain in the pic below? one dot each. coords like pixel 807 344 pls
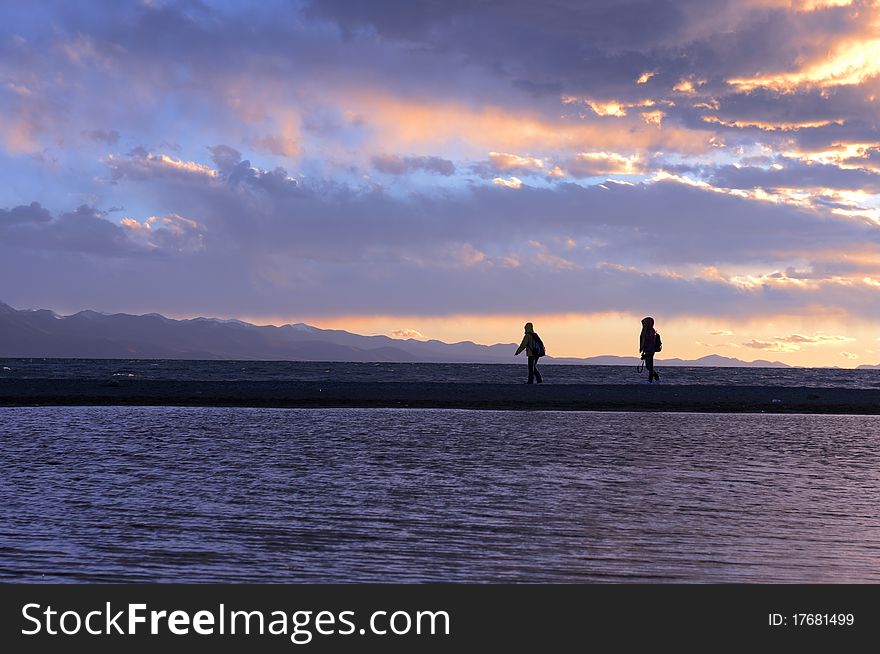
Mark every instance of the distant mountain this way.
pixel 88 334
pixel 710 360
pixel 718 361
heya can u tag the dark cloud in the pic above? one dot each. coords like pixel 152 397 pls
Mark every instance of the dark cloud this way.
pixel 498 53
pixel 341 250
pixel 580 45
pixel 105 136
pixel 661 223
pixel 225 157
pixel 86 230
pixel 83 230
pixel 393 164
pixel 871 159
pixel 795 175
pixel 539 89
pixel 33 213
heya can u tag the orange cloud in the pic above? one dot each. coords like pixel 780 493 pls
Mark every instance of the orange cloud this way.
pixel 771 127
pixel 615 108
pixel 505 161
pixel 843 155
pixel 653 117
pixel 802 5
pixel 607 108
pixel 408 333
pixel 407 125
pixel 688 86
pixel 851 60
pixel 588 164
pixel 469 256
pixel 281 145
pixel 19 138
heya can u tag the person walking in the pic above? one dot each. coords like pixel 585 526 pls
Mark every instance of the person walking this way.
pixel 649 344
pixel 534 348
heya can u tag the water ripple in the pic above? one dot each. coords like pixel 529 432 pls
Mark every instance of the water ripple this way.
pixel 355 495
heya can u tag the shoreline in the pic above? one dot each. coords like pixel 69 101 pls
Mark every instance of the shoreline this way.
pixel 580 397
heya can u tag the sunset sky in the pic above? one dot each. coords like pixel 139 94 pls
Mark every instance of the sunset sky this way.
pixel 450 169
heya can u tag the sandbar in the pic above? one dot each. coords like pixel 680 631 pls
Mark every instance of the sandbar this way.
pixel 577 397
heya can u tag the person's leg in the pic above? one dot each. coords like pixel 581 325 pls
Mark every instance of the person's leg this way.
pixel 531 370
pixel 649 365
pixel 537 372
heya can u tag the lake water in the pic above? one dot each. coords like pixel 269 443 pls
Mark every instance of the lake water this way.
pixel 514 373
pixel 129 494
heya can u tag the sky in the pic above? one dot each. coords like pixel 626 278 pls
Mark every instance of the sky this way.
pixel 451 169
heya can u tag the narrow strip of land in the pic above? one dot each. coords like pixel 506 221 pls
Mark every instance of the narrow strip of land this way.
pixel 582 397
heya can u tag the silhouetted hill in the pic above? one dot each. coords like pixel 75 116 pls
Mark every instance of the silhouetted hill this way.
pixel 88 334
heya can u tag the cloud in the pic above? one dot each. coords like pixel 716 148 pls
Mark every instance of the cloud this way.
pixel 817 339
pixel 86 230
pixel 110 137
pixel 793 174
pixel 278 145
pixel 772 127
pixel 852 61
pixel 232 171
pixel 143 165
pixel 20 135
pixel 395 165
pixel 83 230
pixel 615 244
pixel 504 162
pixel 592 164
pixel 467 255
pixel 170 233
pixel 795 342
pixel 771 346
pixel 33 213
pixel 511 182
pixel 653 117
pixel 554 261
pixel 225 157
pixel 408 333
pixel 469 51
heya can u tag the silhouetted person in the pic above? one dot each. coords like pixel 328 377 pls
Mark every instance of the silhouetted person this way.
pixel 649 343
pixel 531 343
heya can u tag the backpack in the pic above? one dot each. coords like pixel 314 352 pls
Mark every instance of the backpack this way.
pixel 658 344
pixel 538 346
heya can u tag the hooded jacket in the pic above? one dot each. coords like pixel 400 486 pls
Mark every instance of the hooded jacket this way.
pixel 648 337
pixel 527 341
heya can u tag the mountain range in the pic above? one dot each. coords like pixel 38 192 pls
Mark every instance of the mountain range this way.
pixel 40 333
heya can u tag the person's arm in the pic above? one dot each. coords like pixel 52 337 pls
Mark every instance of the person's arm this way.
pixel 522 346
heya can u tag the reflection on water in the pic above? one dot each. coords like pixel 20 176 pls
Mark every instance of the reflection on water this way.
pixel 294 495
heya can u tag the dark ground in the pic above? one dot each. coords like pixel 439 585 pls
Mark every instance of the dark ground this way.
pixel 583 397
